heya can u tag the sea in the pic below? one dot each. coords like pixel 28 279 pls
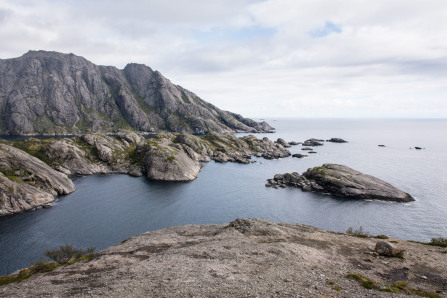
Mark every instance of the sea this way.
pixel 107 209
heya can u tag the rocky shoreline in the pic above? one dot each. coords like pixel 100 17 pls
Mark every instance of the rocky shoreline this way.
pixel 34 171
pixel 247 258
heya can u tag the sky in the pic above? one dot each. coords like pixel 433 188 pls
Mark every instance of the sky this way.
pixel 272 58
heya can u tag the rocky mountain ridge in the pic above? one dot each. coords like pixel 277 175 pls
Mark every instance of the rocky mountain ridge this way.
pixel 55 94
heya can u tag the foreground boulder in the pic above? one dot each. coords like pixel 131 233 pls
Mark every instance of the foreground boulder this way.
pixel 27 182
pixel 342 181
pixel 245 258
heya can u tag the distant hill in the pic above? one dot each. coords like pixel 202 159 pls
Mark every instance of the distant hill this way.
pixel 53 93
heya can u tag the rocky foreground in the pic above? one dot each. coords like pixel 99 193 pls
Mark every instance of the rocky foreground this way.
pixel 341 181
pixel 34 171
pixel 246 258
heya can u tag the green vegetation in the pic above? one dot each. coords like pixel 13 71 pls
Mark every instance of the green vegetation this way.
pixel 34 147
pixel 14 174
pixel 398 287
pixel 439 241
pixel 381 237
pixel 65 255
pixel 333 286
pixel 363 280
pixel 358 232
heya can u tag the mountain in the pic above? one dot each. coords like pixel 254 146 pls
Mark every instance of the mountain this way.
pixel 53 93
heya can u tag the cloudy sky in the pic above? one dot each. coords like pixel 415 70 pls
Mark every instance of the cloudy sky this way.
pixel 273 58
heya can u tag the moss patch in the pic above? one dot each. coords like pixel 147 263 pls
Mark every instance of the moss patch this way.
pixel 398 287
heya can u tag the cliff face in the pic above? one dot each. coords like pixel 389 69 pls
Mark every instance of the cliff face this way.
pixel 54 93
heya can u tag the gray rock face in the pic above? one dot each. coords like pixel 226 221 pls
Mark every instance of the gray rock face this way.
pixel 283 143
pixel 245 258
pixel 342 181
pixel 165 161
pixel 384 248
pixel 313 142
pixel 336 140
pixel 26 182
pixel 54 93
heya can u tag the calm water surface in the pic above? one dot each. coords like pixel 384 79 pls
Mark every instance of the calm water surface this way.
pixel 104 210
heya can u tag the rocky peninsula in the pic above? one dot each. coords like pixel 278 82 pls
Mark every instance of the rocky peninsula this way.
pixel 247 258
pixel 34 171
pixel 341 181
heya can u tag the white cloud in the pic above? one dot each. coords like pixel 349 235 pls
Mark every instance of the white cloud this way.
pixel 335 58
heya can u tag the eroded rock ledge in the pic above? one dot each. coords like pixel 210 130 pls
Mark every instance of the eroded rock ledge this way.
pixel 342 181
pixel 34 171
pixel 246 258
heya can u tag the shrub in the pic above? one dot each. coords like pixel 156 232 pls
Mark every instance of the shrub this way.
pixel 440 241
pixel 66 252
pixel 358 232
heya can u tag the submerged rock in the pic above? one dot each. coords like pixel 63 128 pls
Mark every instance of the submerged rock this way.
pixel 342 181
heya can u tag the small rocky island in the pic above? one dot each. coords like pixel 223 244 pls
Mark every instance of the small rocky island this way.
pixel 341 181
pixel 34 171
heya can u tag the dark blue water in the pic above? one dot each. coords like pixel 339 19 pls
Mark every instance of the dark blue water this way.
pixel 104 210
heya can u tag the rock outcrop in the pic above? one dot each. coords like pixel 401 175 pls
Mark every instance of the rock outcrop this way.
pixel 53 93
pixel 165 156
pixel 26 182
pixel 245 258
pixel 342 181
pixel 336 140
pixel 313 142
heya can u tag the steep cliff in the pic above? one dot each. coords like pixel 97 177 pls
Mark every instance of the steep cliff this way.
pixel 53 93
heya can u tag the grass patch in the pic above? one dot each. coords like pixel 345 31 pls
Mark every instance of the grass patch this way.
pixel 333 286
pixel 363 280
pixel 358 232
pixel 64 256
pixel 439 241
pixel 398 287
pixel 381 237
